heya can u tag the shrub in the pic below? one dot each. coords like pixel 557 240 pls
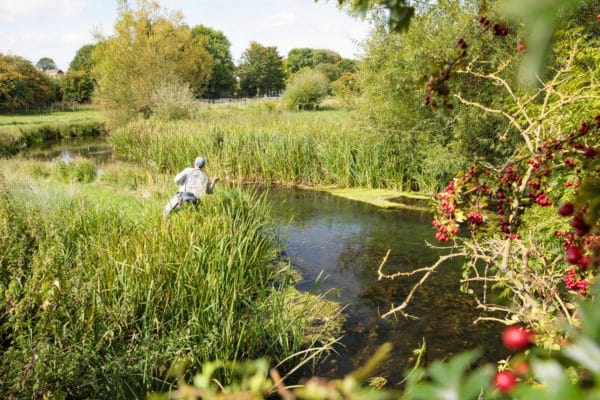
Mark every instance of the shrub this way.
pixel 306 90
pixel 173 101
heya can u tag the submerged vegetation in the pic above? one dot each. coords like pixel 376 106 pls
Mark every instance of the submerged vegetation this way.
pixel 100 295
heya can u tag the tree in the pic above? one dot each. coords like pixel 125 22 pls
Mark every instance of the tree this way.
pixel 45 63
pixel 148 50
pixel 222 81
pixel 83 59
pixel 261 70
pixel 305 90
pixel 22 86
pixel 78 86
pixel 309 58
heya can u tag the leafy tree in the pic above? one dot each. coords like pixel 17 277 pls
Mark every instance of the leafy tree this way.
pixel 305 90
pixel 83 59
pixel 309 58
pixel 261 70
pixel 330 71
pixel 148 50
pixel 347 65
pixel 22 86
pixel 78 86
pixel 45 63
pixel 222 81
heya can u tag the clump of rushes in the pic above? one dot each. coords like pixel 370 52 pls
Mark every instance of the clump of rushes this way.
pixel 107 300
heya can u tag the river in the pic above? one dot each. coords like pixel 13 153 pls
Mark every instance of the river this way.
pixel 346 241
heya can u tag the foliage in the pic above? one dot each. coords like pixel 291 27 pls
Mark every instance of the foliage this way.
pixel 45 63
pixel 222 82
pixel 330 71
pixel 83 61
pixel 100 295
pixel 22 131
pixel 147 50
pixel 573 373
pixel 81 170
pixel 300 58
pixel 305 90
pixel 172 101
pixel 22 86
pixel 78 86
pixel 257 145
pixel 260 71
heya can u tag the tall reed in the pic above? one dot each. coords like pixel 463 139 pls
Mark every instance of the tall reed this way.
pixel 317 148
pixel 97 301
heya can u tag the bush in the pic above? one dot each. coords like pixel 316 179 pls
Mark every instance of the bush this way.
pixel 173 101
pixel 306 90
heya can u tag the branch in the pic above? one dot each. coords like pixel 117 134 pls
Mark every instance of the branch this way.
pixel 429 270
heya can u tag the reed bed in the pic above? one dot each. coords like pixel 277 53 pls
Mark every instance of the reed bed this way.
pixel 252 145
pixel 98 300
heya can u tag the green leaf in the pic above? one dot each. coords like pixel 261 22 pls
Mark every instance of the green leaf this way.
pixel 585 352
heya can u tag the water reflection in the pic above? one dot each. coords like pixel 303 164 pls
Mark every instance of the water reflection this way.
pixel 69 149
pixel 347 240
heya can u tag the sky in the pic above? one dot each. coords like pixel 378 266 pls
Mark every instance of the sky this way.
pixel 58 28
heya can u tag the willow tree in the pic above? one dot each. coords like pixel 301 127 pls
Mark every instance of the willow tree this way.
pixel 148 51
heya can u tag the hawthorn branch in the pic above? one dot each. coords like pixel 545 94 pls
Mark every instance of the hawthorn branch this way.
pixel 428 272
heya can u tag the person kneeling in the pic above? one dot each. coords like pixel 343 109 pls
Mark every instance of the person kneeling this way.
pixel 194 184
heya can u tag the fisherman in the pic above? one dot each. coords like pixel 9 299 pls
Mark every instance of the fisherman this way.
pixel 194 184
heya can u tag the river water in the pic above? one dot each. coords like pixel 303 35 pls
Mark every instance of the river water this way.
pixel 346 241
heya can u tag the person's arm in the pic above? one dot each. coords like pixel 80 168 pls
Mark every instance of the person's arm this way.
pixel 211 185
pixel 181 177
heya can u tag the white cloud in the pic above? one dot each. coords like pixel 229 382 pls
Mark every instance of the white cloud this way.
pixel 11 10
pixel 279 20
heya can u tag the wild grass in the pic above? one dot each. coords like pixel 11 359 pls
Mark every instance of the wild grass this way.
pixel 249 145
pixel 23 130
pixel 100 295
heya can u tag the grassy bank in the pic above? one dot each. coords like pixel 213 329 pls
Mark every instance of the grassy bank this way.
pixel 20 131
pixel 270 146
pixel 100 295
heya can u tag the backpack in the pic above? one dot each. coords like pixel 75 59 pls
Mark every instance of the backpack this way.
pixel 197 183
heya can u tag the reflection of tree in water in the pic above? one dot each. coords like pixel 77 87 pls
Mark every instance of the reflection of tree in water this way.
pixel 349 240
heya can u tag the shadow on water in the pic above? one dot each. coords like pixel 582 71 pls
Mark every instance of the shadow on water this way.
pixel 347 240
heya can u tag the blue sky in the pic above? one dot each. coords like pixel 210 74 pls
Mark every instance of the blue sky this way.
pixel 57 28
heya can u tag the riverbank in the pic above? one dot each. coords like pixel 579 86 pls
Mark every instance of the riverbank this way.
pixel 20 131
pixel 110 294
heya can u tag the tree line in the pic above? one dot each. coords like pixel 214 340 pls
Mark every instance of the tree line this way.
pixel 133 67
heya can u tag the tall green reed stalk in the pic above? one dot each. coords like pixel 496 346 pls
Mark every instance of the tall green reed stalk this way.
pixel 97 302
pixel 323 148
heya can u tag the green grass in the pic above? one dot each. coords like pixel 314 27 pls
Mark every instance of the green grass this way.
pixel 100 295
pixel 23 120
pixel 20 131
pixel 250 145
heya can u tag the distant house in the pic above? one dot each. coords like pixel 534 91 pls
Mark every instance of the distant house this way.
pixel 54 73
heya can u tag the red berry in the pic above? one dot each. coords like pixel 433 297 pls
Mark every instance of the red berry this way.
pixel 505 381
pixel 517 338
pixel 566 209
pixel 584 262
pixel 589 152
pixel 573 255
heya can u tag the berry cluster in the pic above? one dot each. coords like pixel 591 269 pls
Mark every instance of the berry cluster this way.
pixel 514 338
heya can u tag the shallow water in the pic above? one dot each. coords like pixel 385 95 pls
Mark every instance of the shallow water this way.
pixel 347 240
